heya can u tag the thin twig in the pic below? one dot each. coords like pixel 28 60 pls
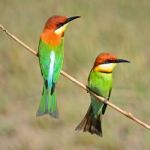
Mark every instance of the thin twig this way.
pixel 127 114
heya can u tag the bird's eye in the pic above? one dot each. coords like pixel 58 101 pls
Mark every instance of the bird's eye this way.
pixel 59 25
pixel 106 62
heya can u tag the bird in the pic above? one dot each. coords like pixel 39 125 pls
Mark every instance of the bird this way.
pixel 99 82
pixel 51 55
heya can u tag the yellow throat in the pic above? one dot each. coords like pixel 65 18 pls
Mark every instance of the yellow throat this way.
pixel 108 68
pixel 61 29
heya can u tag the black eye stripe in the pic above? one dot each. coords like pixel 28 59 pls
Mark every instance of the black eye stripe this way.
pixel 108 61
pixel 59 25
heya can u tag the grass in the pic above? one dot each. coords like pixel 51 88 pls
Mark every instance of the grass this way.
pixel 118 26
pixel 7 130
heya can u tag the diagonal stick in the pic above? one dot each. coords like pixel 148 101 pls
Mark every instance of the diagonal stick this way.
pixel 81 85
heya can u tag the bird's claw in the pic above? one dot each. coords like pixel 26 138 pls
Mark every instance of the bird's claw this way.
pixel 105 101
pixel 87 89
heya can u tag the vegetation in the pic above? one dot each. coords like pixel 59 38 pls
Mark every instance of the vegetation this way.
pixel 117 26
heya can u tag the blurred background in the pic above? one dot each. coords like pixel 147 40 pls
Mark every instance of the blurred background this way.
pixel 121 27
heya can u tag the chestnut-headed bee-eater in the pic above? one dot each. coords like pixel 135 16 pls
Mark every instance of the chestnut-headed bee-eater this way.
pixel 51 55
pixel 100 82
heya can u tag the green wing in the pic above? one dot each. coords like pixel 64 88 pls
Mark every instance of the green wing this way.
pixel 44 55
pixel 45 60
pixel 101 84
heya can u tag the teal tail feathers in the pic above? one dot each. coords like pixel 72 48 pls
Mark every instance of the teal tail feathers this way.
pixel 48 104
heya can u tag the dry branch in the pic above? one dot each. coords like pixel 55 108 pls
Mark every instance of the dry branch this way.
pixel 127 114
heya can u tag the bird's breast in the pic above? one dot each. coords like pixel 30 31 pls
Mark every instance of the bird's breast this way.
pixel 51 38
pixel 100 83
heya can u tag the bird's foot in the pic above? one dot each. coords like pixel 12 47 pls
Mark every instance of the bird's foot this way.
pixel 105 101
pixel 87 89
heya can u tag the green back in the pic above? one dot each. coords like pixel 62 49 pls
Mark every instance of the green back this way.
pixel 44 59
pixel 101 84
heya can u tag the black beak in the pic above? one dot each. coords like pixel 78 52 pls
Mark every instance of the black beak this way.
pixel 121 61
pixel 71 19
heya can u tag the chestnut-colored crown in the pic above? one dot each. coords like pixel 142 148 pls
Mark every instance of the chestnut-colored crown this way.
pixel 104 58
pixel 51 25
pixel 54 22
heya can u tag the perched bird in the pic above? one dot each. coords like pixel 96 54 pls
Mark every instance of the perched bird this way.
pixel 100 82
pixel 51 55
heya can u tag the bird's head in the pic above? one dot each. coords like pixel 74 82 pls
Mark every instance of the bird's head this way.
pixel 55 27
pixel 106 62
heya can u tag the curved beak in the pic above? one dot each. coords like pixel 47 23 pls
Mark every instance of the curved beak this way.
pixel 121 61
pixel 71 19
